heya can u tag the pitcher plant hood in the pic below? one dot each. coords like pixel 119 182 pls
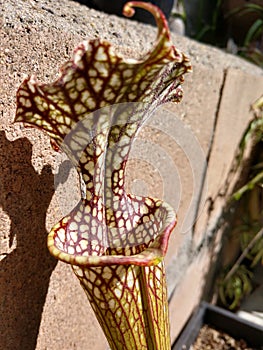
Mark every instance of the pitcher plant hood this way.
pixel 108 225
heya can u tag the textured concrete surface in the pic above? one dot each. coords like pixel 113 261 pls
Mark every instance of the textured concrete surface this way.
pixel 42 305
pixel 238 93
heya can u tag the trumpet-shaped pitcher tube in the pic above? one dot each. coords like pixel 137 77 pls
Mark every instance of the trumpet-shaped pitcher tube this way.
pixel 115 241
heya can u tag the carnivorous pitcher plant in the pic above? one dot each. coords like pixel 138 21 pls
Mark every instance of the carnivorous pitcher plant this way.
pixel 114 241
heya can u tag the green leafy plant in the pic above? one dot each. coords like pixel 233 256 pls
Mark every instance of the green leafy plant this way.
pixel 208 32
pixel 236 282
pixel 115 241
pixel 253 43
pixel 256 28
pixel 234 286
pixel 253 132
pixel 211 28
pixel 252 237
pixel 202 27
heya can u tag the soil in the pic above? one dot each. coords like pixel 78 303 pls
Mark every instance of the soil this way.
pixel 210 338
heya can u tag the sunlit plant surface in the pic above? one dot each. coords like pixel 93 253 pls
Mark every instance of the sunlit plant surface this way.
pixel 115 241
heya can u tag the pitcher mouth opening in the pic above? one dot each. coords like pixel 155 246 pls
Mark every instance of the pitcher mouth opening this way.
pixel 142 245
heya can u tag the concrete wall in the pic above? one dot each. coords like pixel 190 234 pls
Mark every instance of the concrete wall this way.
pixel 42 305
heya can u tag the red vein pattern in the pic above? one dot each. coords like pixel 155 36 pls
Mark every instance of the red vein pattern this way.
pixel 114 241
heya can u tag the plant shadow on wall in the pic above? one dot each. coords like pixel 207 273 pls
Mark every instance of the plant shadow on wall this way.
pixel 25 272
